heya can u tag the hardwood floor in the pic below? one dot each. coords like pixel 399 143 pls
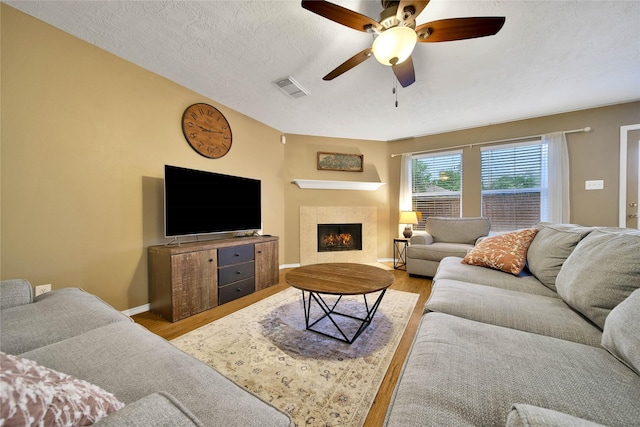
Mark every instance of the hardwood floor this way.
pixel 402 282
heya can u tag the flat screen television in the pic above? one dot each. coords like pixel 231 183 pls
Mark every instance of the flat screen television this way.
pixel 200 202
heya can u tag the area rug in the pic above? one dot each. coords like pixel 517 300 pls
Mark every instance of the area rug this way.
pixel 317 380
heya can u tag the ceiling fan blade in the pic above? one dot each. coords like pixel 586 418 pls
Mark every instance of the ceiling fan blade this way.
pixel 452 29
pixel 349 64
pixel 341 15
pixel 405 72
pixel 416 5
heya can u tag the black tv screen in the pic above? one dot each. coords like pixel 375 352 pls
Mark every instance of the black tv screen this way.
pixel 200 202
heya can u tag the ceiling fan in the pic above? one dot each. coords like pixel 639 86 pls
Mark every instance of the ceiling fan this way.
pixel 397 33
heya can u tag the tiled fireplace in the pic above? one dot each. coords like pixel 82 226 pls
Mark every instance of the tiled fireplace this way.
pixel 338 234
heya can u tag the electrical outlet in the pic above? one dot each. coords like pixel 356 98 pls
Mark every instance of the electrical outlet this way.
pixel 43 289
pixel 594 184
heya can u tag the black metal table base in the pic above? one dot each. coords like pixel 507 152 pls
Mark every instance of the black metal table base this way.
pixel 330 313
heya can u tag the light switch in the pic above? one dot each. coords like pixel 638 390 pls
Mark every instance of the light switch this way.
pixel 594 184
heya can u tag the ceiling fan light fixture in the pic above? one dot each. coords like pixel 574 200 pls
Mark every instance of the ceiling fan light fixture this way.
pixel 394 45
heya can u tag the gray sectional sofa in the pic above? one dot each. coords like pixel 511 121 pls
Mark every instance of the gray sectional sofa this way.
pixel 75 333
pixel 558 344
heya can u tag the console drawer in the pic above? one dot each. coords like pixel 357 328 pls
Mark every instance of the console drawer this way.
pixel 235 255
pixel 236 290
pixel 234 273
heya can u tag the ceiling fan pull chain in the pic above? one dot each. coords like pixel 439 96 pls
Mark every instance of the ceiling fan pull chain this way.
pixel 395 89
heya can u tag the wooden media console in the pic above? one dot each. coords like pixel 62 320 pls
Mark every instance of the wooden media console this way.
pixel 197 276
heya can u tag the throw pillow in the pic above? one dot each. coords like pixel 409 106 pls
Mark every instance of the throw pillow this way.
pixel 550 249
pixel 31 394
pixel 506 252
pixel 621 335
pixel 600 273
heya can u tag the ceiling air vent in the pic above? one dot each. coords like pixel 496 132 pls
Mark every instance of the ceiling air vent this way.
pixel 291 87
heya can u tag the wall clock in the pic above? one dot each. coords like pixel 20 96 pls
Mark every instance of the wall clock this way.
pixel 206 130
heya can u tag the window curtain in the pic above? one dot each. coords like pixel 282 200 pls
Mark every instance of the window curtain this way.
pixel 555 183
pixel 405 187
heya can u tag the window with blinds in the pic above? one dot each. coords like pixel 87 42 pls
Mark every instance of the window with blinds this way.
pixel 511 184
pixel 437 185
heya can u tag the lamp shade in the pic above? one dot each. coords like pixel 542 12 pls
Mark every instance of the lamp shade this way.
pixel 395 45
pixel 408 217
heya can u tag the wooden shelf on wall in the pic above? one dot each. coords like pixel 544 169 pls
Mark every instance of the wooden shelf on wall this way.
pixel 317 184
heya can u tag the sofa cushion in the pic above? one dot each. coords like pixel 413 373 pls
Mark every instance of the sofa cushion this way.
pixel 452 268
pixel 15 292
pixel 437 251
pixel 420 237
pixel 621 334
pixel 457 230
pixel 538 314
pixel 54 317
pixel 31 394
pixel 505 252
pixel 550 248
pixel 465 373
pixel 157 410
pixel 535 416
pixel 601 272
pixel 129 361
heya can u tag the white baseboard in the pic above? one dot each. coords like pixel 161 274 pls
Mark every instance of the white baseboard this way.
pixel 289 266
pixel 136 310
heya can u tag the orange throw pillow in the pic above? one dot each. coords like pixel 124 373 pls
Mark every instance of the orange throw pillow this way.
pixel 506 252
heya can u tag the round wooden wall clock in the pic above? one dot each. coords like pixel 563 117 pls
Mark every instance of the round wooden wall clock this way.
pixel 206 130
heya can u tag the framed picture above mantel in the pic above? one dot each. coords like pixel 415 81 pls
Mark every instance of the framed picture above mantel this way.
pixel 340 162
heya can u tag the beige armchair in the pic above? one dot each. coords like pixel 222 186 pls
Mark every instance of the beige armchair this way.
pixel 443 237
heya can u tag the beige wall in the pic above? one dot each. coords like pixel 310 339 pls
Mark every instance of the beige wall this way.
pixel 592 155
pixel 301 163
pixel 85 137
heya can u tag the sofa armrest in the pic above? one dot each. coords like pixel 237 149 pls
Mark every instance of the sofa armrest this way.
pixel 522 415
pixel 158 409
pixel 421 238
pixel 15 292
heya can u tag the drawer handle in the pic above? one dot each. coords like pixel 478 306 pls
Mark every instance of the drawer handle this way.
pixel 237 254
pixel 210 259
pixel 238 289
pixel 238 272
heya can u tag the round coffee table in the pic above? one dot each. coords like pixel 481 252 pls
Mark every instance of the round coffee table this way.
pixel 339 279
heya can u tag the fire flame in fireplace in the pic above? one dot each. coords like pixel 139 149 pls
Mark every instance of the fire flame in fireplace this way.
pixel 341 239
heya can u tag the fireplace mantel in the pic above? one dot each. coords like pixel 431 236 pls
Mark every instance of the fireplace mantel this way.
pixel 317 184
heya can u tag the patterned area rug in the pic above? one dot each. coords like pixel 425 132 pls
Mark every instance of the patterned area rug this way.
pixel 317 380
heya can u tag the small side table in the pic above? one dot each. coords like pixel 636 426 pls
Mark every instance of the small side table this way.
pixel 400 253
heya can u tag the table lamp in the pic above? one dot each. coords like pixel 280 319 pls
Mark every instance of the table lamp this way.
pixel 408 218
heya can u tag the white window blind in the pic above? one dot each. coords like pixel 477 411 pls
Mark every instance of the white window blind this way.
pixel 437 185
pixel 511 184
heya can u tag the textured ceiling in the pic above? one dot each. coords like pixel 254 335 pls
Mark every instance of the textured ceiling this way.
pixel 550 57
